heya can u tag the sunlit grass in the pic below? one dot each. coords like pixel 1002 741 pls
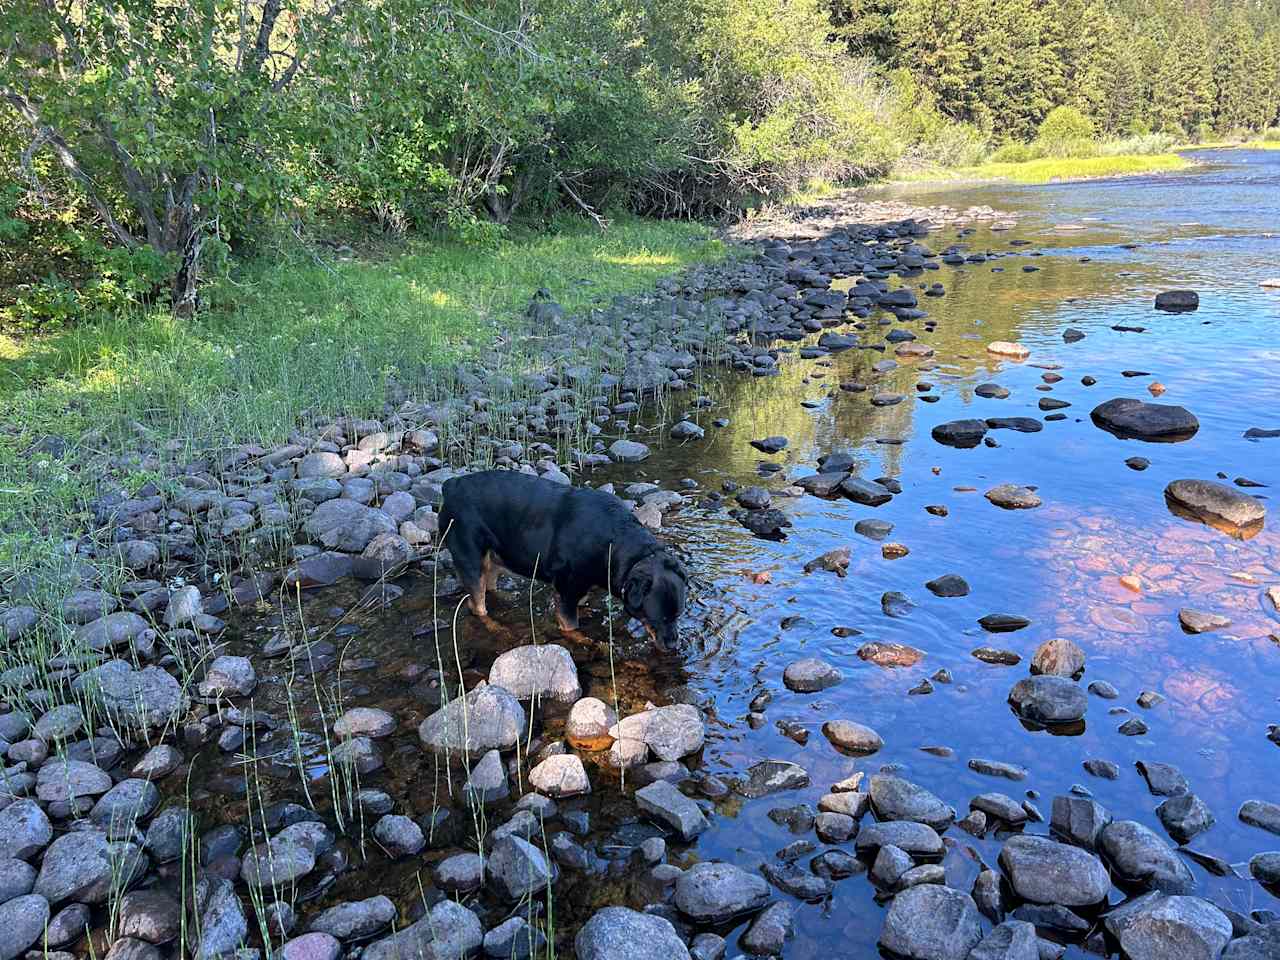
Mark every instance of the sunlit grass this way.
pixel 1050 169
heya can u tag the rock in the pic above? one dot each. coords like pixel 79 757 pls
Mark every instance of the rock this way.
pixel 449 932
pixel 66 781
pixel 711 893
pixel 995 655
pixel 769 931
pixel 113 630
pixel 999 807
pixel 543 671
pixel 346 525
pixel 589 723
pixel 852 738
pixel 1198 621
pixel 1177 301
pixel 399 835
pixel 917 839
pixel 1163 779
pixel 486 718
pixel 754 498
pixel 948 585
pixel 514 939
pixel 68 925
pixel 488 780
pixel 17 621
pixel 617 933
pixel 931 922
pixel 150 915
pixel 83 866
pixel 222 926
pixel 894 798
pixel 127 803
pixel 158 762
pixel 62 722
pixel 1141 858
pixel 1048 700
pixel 666 804
pixel 1010 940
pixel 1216 505
pixel 628 451
pixel 671 732
pixel 1078 820
pixel 286 857
pixel 833 561
pixel 22 923
pixel 24 830
pixel 890 865
pixel 312 946
pixel 1017 424
pixel 169 833
pixel 1003 348
pixel 866 492
pixel 134 699
pixel 1259 813
pixel 1131 419
pixel 834 827
pixel 17 879
pixel 1043 871
pixel 460 873
pixel 1010 496
pixel 229 676
pixel 1185 927
pixel 770 444
pixel 772 776
pixel 517 869
pixel 355 920
pixel 321 465
pixel 960 433
pixel 560 776
pixel 81 606
pixel 991 391
pixel 365 722
pixel 1058 658
pixel 1184 817
pixel 884 654
pixel 1265 868
pixel 810 675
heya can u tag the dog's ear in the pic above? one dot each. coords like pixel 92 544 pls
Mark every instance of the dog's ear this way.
pixel 639 583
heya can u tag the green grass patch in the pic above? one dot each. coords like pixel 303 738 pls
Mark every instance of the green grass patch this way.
pixel 1050 169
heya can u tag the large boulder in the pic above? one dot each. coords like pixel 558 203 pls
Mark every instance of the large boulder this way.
pixel 710 893
pixel 671 732
pixel 1048 700
pixel 1141 858
pixel 617 933
pixel 136 699
pixel 894 798
pixel 486 718
pixel 346 525
pixel 931 922
pixel 1218 505
pixel 1131 419
pixel 545 671
pixel 1188 928
pixel 1044 871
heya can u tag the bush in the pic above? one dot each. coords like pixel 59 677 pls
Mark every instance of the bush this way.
pixel 1271 135
pixel 1066 132
pixel 1014 153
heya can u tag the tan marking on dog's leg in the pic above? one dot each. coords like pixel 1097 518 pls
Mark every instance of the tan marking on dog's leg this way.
pixel 491 571
pixel 477 601
pixel 568 620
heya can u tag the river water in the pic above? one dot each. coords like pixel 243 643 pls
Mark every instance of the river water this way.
pixel 1101 250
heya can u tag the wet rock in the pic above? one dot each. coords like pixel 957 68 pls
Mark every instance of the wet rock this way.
pixel 22 922
pixel 1078 820
pixel 1133 727
pixel 1265 868
pixel 628 451
pixel 711 893
pixel 617 933
pixel 542 671
pixel 994 655
pixel 168 834
pixel 486 718
pixel 770 444
pixel 754 498
pixel 666 804
pixel 1163 779
pixel 399 835
pixel 1198 621
pixel 589 723
pixel 83 866
pixel 884 654
pixel 687 430
pixel 852 738
pixel 769 931
pixel 488 780
pixel 365 722
pixel 917 839
pixel 1000 807
pixel 1141 858
pixel 1177 301
pixel 355 920
pixel 127 803
pixel 791 879
pixel 834 827
pixel 890 865
pixel 988 896
pixel 768 524
pixel 960 433
pixel 896 604
pixel 560 776
pixel 1131 419
pixel 1043 871
pixel 25 830
pixel 931 922
pixel 1058 658
pixel 991 391
pixel 286 857
pixel 869 493
pixel 1002 622
pixel 1010 496
pixel 894 798
pixel 346 525
pixel 460 873
pixel 134 699
pixel 873 529
pixel 1010 940
pixel 997 768
pixel 517 869
pixel 671 732
pixel 772 776
pixel 948 585
pixel 448 932
pixel 1048 700
pixel 229 676
pixel 1003 348
pixel 1260 813
pixel 514 939
pixel 833 561
pixel 1184 817
pixel 810 675
pixel 1185 927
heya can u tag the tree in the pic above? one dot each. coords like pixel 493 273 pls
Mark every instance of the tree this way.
pixel 1235 66
pixel 165 115
pixel 1183 89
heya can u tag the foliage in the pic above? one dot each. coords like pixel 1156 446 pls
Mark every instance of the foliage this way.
pixel 1065 132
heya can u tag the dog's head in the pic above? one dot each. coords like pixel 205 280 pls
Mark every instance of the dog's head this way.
pixel 654 593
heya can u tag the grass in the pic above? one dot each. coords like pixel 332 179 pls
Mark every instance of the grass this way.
pixel 1051 169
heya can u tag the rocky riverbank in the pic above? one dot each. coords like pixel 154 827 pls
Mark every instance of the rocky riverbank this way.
pixel 178 665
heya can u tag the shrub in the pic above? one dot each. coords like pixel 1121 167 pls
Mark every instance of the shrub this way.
pixel 1066 132
pixel 1014 153
pixel 1271 135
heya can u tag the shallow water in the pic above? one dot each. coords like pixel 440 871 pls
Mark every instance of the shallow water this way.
pixel 1216 230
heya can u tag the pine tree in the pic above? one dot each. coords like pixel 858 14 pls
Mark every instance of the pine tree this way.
pixel 1234 64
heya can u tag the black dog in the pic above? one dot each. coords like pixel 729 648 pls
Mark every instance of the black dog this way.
pixel 571 537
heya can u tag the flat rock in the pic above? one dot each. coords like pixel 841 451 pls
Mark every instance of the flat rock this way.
pixel 1131 419
pixel 1003 348
pixel 772 776
pixel 884 654
pixel 1262 814
pixel 852 738
pixel 346 525
pixel 948 585
pixel 1048 700
pixel 960 433
pixel 628 451
pixel 486 718
pixel 662 801
pixel 895 798
pixel 544 671
pixel 711 893
pixel 135 699
pixel 1010 496
pixel 1177 301
pixel 355 920
pixel 1217 505
pixel 671 732
pixel 917 839
pixel 931 922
